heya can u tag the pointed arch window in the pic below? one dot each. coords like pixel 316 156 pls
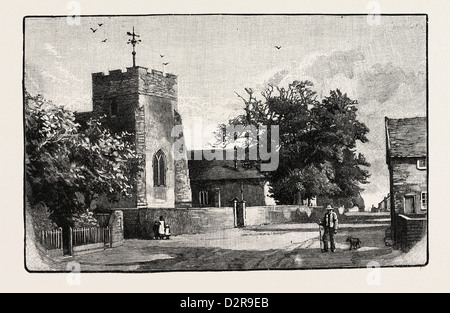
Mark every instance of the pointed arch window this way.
pixel 159 169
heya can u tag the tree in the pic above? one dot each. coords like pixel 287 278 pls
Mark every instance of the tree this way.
pixel 66 167
pixel 317 141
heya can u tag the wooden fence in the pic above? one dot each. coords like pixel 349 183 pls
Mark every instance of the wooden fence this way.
pixel 89 238
pixel 51 239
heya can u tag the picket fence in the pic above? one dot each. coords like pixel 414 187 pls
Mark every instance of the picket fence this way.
pixel 84 238
pixel 51 239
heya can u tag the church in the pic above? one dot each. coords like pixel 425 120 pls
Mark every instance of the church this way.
pixel 144 103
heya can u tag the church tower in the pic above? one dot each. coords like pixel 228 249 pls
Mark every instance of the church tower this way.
pixel 145 103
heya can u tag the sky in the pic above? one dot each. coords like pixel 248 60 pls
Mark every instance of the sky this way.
pixel 379 62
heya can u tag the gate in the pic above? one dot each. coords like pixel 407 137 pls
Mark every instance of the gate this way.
pixel 239 213
pixel 89 239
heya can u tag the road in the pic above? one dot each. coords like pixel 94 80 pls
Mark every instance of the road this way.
pixel 280 246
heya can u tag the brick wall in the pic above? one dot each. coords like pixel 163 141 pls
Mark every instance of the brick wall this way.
pixel 131 223
pixel 407 180
pixel 145 102
pixel 183 192
pixel 186 221
pixel 117 227
pixel 158 122
pixel 254 192
pixel 411 231
pixel 259 215
pixel 154 83
pixel 158 97
pixel 138 223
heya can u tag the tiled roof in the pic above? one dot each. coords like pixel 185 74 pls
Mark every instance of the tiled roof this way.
pixel 221 170
pixel 407 137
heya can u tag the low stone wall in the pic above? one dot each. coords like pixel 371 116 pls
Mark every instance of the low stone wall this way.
pixel 131 223
pixel 410 231
pixel 138 223
pixel 283 214
pixel 185 220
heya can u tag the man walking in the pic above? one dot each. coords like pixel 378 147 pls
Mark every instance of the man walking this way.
pixel 330 225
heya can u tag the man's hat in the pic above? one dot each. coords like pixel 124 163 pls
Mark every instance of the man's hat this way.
pixel 329 207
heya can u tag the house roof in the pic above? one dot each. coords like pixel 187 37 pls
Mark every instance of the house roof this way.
pixel 201 170
pixel 406 137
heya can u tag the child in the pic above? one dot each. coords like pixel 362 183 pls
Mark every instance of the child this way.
pixel 156 230
pixel 167 231
pixel 161 227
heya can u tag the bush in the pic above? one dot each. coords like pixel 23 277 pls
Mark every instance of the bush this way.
pixel 41 217
pixel 84 220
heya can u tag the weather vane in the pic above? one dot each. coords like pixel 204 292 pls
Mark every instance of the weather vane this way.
pixel 133 41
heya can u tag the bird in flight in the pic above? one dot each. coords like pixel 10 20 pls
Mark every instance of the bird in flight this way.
pixel 165 63
pixel 161 55
pixel 104 40
pixel 100 25
pixel 278 47
pixel 93 30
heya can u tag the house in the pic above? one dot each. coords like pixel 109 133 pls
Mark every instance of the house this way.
pixel 406 157
pixel 374 209
pixel 385 204
pixel 215 183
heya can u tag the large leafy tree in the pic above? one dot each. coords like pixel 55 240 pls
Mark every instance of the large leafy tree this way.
pixel 66 167
pixel 316 144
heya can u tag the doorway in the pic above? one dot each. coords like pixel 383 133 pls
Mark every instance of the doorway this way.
pixel 409 204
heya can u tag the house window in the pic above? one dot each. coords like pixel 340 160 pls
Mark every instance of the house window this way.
pixel 203 197
pixel 113 108
pixel 422 164
pixel 424 200
pixel 159 169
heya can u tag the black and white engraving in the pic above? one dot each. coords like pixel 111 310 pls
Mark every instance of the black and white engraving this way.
pixel 222 142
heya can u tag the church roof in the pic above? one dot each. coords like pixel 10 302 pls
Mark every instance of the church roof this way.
pixel 201 170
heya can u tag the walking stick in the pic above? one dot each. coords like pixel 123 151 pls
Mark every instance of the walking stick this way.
pixel 321 239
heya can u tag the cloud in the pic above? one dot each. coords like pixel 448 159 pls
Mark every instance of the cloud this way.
pixel 50 77
pixel 383 81
pixel 68 74
pixel 80 103
pixel 201 116
pixel 334 63
pixel 276 78
pixel 52 50
pixel 337 69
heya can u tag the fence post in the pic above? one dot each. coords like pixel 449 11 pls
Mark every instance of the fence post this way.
pixel 59 238
pixel 110 236
pixel 70 241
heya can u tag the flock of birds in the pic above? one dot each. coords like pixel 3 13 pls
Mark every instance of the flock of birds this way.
pixel 104 40
pixel 95 29
pixel 161 55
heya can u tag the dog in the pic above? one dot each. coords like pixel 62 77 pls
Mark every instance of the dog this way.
pixel 354 242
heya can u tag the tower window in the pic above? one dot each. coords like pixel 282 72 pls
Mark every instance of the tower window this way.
pixel 113 108
pixel 159 169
